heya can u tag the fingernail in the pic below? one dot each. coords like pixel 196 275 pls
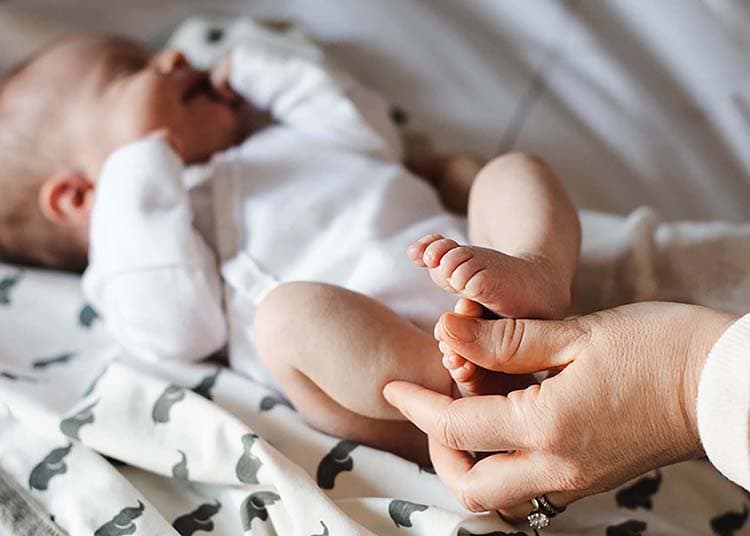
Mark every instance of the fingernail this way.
pixel 443 347
pixel 461 328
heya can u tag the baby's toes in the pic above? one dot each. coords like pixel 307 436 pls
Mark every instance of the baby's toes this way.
pixel 435 251
pixel 416 250
pixel 465 273
pixel 451 360
pixel 453 259
pixel 468 307
pixel 465 373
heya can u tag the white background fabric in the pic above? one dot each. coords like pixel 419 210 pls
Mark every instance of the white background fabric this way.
pixel 635 102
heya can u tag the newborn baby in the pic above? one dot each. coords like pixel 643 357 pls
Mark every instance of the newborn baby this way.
pixel 196 203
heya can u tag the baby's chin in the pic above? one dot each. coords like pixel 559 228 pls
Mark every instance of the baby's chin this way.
pixel 209 146
pixel 250 120
pixel 225 128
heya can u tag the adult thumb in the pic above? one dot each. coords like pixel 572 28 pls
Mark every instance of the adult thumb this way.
pixel 514 346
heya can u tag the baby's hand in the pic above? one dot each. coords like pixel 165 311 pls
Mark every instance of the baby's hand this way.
pixel 220 76
pixel 253 118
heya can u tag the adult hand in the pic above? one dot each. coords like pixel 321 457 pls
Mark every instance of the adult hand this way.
pixel 624 403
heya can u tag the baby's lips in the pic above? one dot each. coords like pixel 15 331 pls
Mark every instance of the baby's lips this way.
pixel 219 77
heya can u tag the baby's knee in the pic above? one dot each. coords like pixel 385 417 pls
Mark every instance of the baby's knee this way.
pixel 508 165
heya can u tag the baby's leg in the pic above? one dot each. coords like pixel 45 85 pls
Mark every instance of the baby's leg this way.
pixel 526 238
pixel 333 350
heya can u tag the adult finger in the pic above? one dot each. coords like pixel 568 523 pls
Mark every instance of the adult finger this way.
pixel 516 346
pixel 480 423
pixel 503 481
pixel 518 512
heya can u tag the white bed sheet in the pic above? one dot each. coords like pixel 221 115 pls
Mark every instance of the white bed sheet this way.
pixel 197 447
pixel 635 102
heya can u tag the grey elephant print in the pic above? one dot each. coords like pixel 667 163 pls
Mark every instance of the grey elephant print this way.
pixel 95 381
pixel 269 402
pixel 639 495
pixel 71 426
pixel 56 360
pixel 731 522
pixel 248 465
pixel 206 385
pixel 180 469
pixel 6 285
pixel 15 377
pixel 335 462
pixel 254 507
pixel 198 519
pixel 632 527
pixel 401 511
pixel 87 316
pixel 122 523
pixel 52 465
pixel 325 530
pixel 163 405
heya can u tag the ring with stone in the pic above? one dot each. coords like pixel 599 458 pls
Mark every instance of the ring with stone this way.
pixel 542 512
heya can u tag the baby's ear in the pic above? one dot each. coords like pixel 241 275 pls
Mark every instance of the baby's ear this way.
pixel 66 198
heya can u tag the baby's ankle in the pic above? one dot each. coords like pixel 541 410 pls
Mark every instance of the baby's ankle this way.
pixel 555 288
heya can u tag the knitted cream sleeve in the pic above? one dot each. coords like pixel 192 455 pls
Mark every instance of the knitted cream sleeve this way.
pixel 724 403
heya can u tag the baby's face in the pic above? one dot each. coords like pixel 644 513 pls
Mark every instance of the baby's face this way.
pixel 105 92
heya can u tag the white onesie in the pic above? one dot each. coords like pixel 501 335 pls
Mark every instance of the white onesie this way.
pixel 319 196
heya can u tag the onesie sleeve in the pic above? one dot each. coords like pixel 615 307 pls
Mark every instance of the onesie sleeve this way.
pixel 150 275
pixel 724 403
pixel 641 257
pixel 317 100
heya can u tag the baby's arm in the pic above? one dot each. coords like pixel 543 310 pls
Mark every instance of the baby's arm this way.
pixel 312 98
pixel 150 275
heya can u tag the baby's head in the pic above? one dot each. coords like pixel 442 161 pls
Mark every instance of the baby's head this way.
pixel 66 109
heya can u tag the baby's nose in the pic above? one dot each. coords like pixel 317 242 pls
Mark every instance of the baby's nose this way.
pixel 170 60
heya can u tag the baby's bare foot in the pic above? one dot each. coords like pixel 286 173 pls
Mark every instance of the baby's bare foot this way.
pixel 469 378
pixel 509 286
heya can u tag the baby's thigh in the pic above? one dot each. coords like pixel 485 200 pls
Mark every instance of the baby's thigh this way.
pixel 347 344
